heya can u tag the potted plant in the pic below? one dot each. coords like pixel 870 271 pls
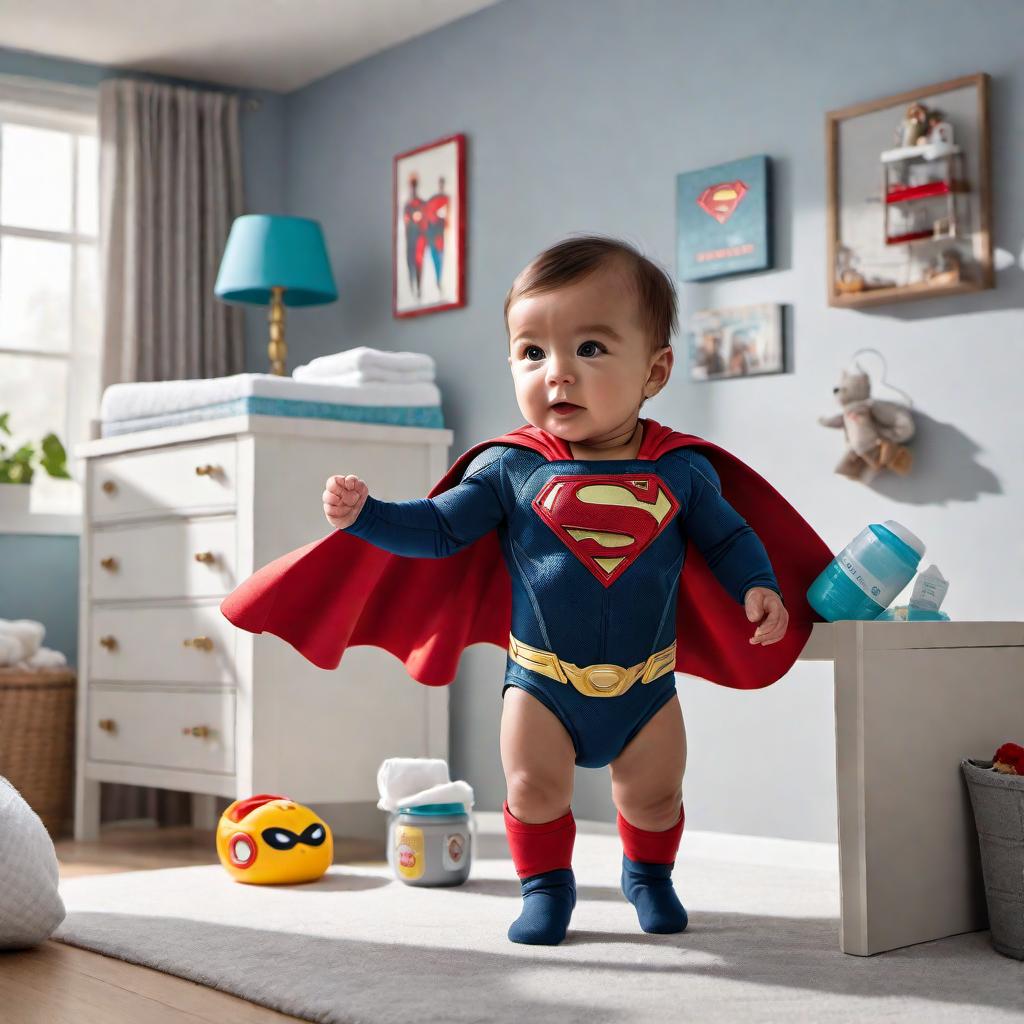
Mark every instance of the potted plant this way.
pixel 997 798
pixel 17 467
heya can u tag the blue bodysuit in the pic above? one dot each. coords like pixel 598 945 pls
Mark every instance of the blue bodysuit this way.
pixel 594 551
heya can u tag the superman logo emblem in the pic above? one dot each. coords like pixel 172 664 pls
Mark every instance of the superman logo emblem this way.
pixel 720 201
pixel 607 522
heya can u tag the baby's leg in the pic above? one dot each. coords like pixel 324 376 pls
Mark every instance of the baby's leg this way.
pixel 538 758
pixel 647 790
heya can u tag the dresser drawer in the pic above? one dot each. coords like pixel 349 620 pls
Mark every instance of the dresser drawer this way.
pixel 193 731
pixel 179 558
pixel 188 476
pixel 173 643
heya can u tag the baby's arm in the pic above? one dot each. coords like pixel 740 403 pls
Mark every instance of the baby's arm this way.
pixel 425 527
pixel 733 551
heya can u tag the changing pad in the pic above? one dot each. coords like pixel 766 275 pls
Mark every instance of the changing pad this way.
pixel 149 404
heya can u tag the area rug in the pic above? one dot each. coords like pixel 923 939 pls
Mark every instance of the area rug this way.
pixel 358 947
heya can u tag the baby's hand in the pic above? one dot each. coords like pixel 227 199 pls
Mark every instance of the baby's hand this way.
pixel 764 606
pixel 344 497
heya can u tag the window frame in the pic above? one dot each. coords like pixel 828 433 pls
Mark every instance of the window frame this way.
pixel 72 109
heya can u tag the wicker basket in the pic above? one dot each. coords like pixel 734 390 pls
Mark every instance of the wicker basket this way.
pixel 37 740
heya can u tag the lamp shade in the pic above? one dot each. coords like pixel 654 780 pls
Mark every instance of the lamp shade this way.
pixel 265 252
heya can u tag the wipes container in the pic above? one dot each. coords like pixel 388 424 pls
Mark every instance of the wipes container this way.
pixel 430 844
pixel 865 577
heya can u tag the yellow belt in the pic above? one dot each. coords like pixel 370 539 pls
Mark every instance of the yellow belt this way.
pixel 592 680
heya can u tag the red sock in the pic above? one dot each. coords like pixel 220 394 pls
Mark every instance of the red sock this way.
pixel 651 847
pixel 539 848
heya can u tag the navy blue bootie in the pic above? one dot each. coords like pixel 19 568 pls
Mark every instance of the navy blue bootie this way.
pixel 548 902
pixel 649 888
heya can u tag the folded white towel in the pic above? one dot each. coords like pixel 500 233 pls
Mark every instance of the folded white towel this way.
pixel 416 781
pixel 363 359
pixel 371 375
pixel 137 400
pixel 26 633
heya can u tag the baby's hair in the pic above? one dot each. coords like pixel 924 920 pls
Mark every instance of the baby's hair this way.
pixel 574 258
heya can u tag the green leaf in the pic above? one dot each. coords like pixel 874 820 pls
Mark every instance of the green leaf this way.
pixel 54 458
pixel 4 416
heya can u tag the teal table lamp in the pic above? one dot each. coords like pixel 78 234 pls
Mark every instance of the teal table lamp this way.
pixel 280 260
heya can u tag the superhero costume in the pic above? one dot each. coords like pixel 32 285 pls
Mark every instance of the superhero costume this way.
pixel 342 591
pixel 584 561
pixel 435 221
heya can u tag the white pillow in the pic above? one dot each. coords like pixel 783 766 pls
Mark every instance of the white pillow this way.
pixel 30 905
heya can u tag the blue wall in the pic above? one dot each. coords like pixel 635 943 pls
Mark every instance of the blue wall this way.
pixel 39 580
pixel 579 116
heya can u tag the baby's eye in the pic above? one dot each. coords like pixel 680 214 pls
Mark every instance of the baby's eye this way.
pixel 530 349
pixel 590 348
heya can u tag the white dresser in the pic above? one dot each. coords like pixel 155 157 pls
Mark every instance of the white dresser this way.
pixel 170 693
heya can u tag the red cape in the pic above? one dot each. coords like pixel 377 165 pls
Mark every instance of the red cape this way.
pixel 341 591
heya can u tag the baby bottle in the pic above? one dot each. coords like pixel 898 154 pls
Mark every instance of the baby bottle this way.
pixel 865 577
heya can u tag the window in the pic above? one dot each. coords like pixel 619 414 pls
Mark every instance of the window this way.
pixel 49 276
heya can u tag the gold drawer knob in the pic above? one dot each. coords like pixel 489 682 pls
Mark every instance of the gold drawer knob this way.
pixel 207 470
pixel 202 643
pixel 109 642
pixel 107 725
pixel 110 563
pixel 108 487
pixel 207 557
pixel 200 731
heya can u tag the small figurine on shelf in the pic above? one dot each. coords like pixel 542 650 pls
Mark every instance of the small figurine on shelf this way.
pixel 914 125
pixel 847 278
pixel 944 268
pixel 940 131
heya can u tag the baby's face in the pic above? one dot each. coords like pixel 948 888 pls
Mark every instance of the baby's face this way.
pixel 580 358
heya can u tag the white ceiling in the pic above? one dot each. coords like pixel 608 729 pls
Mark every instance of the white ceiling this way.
pixel 267 44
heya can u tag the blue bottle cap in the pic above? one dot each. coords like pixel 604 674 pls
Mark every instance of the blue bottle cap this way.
pixel 910 539
pixel 436 810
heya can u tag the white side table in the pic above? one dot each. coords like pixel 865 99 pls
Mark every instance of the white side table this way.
pixel 912 699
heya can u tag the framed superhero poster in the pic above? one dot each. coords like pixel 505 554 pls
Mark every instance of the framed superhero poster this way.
pixel 723 219
pixel 429 228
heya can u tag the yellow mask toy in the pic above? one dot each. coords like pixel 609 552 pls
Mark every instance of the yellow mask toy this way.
pixel 271 840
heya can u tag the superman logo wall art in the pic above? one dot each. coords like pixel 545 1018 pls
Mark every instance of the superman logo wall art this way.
pixel 723 219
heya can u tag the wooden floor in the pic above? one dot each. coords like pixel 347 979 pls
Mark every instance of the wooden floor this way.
pixel 59 984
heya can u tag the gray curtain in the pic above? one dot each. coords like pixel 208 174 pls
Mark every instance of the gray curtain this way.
pixel 170 187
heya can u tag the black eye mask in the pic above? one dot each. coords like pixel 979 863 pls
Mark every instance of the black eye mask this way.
pixel 283 839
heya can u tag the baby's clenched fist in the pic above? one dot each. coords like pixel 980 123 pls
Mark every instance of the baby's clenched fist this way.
pixel 344 497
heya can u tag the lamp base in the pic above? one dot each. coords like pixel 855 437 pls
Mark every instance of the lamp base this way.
pixel 277 350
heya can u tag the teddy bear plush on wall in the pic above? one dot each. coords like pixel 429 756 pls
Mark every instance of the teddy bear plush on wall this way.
pixel 875 430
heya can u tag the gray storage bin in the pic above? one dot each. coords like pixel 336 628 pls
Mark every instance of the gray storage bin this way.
pixel 998 803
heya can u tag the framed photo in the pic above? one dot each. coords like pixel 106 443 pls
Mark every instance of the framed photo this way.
pixel 723 219
pixel 429 228
pixel 909 198
pixel 736 342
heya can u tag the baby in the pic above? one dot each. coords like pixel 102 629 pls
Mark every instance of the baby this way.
pixel 594 542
